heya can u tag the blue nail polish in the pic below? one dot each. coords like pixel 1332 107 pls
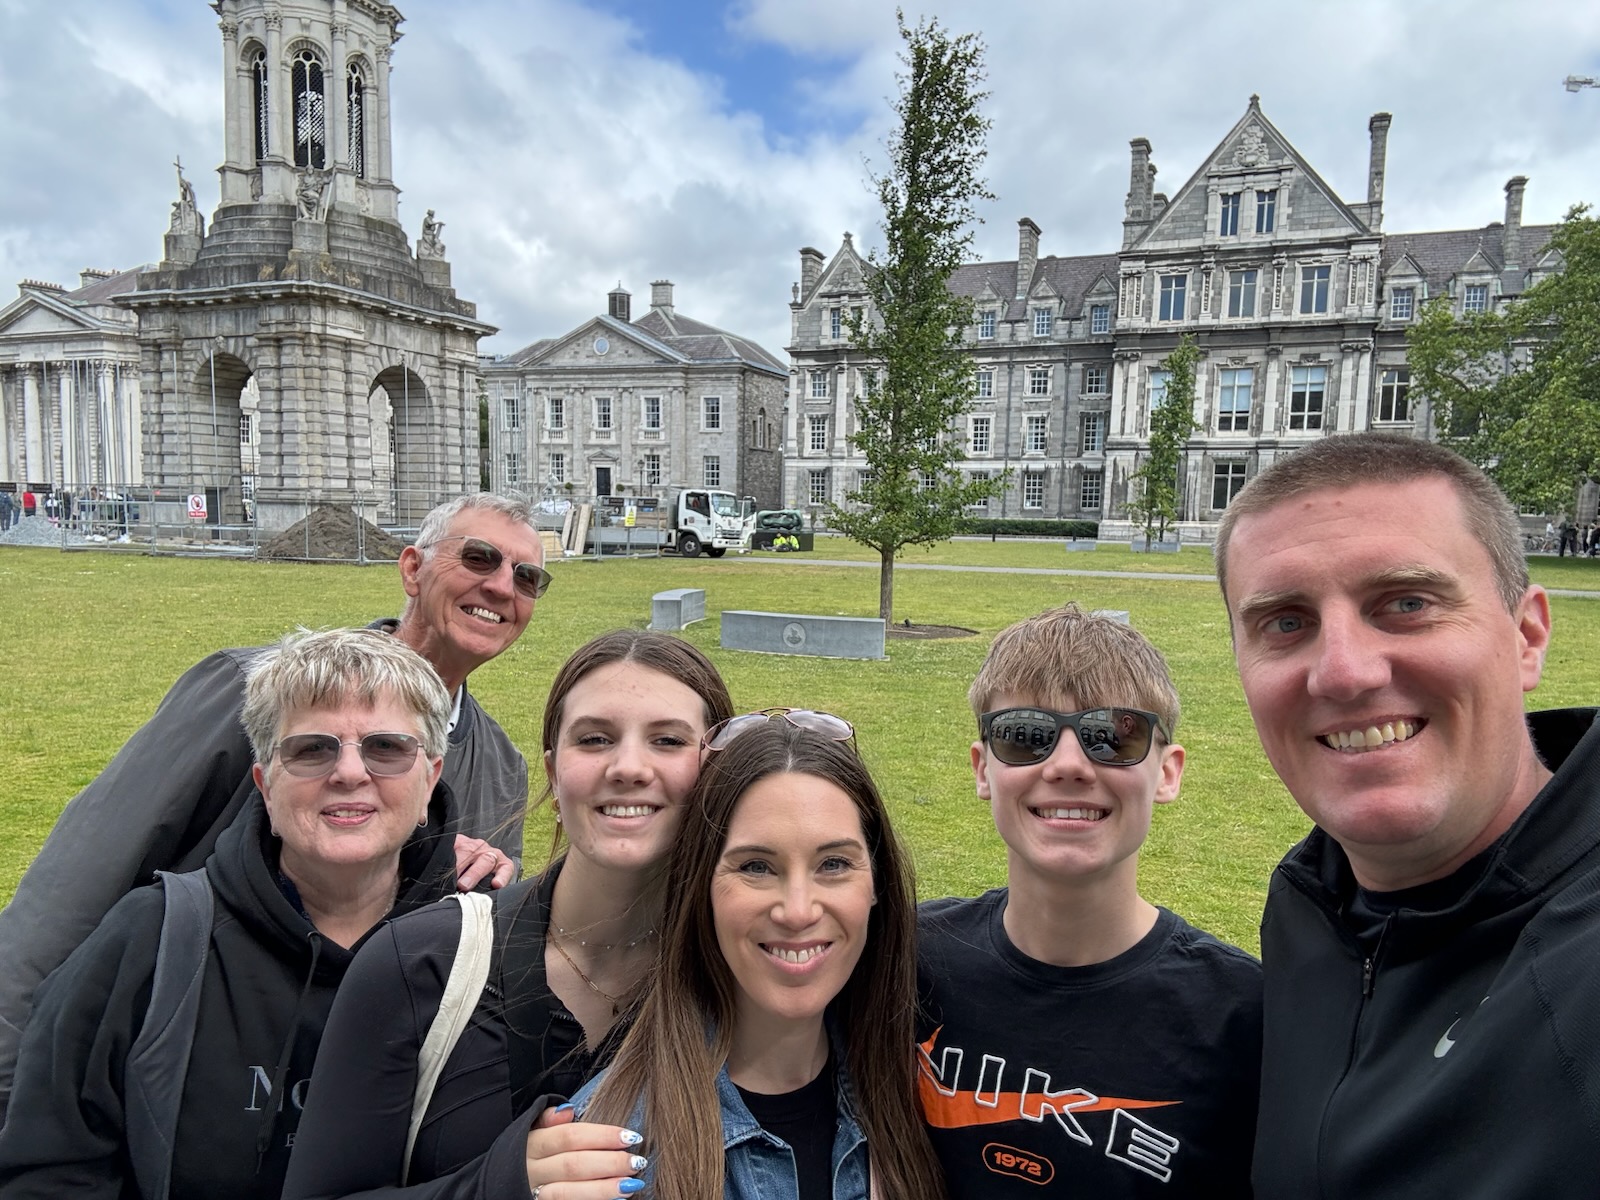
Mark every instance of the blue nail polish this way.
pixel 630 1138
pixel 638 1162
pixel 563 1108
pixel 629 1186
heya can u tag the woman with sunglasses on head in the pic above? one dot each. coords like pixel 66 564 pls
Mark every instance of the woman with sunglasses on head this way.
pixel 348 730
pixel 773 1054
pixel 622 731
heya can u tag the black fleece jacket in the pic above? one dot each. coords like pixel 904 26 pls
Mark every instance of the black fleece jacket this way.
pixel 269 984
pixel 1460 1055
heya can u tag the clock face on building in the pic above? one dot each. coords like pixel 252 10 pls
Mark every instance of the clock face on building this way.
pixel 601 345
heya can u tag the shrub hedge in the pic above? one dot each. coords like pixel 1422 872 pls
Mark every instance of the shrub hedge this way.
pixel 1035 527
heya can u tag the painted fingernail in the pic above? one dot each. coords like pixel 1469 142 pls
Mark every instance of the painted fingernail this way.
pixel 630 1138
pixel 563 1108
pixel 638 1162
pixel 629 1186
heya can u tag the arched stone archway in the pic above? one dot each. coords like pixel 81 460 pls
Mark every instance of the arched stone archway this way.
pixel 404 444
pixel 216 388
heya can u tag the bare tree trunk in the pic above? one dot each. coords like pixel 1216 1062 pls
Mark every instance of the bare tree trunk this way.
pixel 886 586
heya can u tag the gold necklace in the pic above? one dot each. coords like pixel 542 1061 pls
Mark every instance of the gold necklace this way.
pixel 616 1005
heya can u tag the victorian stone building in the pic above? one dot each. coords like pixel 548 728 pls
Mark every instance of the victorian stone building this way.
pixel 1298 299
pixel 364 358
pixel 638 406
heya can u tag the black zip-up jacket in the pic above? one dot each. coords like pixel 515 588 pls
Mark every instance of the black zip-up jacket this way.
pixel 1461 1057
pixel 269 984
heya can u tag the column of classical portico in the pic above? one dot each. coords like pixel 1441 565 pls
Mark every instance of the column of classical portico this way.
pixel 6 424
pixel 70 442
pixel 33 425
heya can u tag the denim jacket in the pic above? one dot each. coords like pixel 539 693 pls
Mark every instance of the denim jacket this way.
pixel 760 1166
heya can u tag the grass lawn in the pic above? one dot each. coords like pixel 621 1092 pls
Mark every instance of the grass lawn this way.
pixel 93 641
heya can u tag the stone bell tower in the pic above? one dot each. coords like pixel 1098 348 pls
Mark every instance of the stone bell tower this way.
pixel 363 357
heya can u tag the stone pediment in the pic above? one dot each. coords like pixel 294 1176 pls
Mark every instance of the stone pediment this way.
pixel 1101 288
pixel 32 316
pixel 844 275
pixel 1043 290
pixel 604 342
pixel 1479 264
pixel 1405 267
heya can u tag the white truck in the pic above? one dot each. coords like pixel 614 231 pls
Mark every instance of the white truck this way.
pixel 689 520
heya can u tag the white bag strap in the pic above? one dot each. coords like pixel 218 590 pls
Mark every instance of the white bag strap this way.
pixel 468 973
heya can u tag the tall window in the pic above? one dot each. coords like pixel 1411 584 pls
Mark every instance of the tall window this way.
pixel 1038 381
pixel 558 467
pixel 817 487
pixel 1233 400
pixel 244 429
pixel 985 385
pixel 1173 290
pixel 1100 318
pixel 1090 489
pixel 263 111
pixel 1228 226
pixel 712 471
pixel 986 323
pixel 1394 400
pixel 980 477
pixel 1095 380
pixel 1267 211
pixel 1158 388
pixel 1094 433
pixel 1402 304
pixel 511 409
pixel 652 470
pixel 1044 321
pixel 710 412
pixel 817 434
pixel 927 481
pixel 982 428
pixel 1314 289
pixel 1307 387
pixel 1226 480
pixel 819 385
pixel 513 468
pixel 1037 438
pixel 355 125
pixel 1241 293
pixel 602 412
pixel 836 323
pixel 555 413
pixel 310 117
pixel 652 412
pixel 1476 298
pixel 1033 489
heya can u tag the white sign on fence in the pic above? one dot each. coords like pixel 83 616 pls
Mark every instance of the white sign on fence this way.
pixel 197 508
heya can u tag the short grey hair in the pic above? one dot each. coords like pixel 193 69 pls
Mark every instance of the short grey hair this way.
pixel 514 506
pixel 342 666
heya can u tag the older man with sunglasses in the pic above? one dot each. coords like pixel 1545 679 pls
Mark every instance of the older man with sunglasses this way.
pixel 470 580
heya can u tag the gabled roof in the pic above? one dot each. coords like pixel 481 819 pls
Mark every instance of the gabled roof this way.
pixel 91 309
pixel 1441 255
pixel 1072 279
pixel 703 343
pixel 1264 137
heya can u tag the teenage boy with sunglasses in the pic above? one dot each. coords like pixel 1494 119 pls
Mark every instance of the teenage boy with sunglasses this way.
pixel 470 581
pixel 1070 1030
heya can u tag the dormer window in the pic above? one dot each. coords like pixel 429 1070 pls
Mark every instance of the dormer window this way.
pixel 1476 298
pixel 986 323
pixel 1402 304
pixel 1044 321
pixel 1099 318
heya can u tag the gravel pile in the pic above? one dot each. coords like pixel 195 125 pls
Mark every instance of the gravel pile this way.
pixel 38 531
pixel 331 533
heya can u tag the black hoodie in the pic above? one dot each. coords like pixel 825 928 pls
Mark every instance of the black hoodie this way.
pixel 1449 1052
pixel 270 981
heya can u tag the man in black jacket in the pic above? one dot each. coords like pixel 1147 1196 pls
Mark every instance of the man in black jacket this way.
pixel 1432 949
pixel 470 580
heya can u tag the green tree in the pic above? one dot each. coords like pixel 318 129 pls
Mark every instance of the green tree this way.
pixel 1154 490
pixel 1518 391
pixel 912 492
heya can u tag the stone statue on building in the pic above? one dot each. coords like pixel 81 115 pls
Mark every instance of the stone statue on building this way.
pixel 185 212
pixel 429 244
pixel 312 195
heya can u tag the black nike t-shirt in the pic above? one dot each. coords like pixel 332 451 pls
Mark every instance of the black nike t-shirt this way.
pixel 1135 1077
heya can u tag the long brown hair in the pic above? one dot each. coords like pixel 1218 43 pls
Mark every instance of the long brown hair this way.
pixel 673 657
pixel 666 1057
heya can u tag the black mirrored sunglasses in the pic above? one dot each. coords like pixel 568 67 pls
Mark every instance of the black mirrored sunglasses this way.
pixel 484 558
pixel 310 755
pixel 1113 737
pixel 834 728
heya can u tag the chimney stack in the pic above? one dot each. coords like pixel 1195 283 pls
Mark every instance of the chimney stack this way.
pixel 661 297
pixel 811 261
pixel 1378 128
pixel 619 303
pixel 1141 188
pixel 92 275
pixel 1027 255
pixel 1512 237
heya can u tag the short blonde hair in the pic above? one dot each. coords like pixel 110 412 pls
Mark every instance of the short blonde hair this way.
pixel 342 666
pixel 1067 655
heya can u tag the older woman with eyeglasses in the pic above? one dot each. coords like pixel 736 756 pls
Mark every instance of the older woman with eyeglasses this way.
pixel 348 729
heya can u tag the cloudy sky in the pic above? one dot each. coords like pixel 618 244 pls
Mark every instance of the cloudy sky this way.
pixel 568 145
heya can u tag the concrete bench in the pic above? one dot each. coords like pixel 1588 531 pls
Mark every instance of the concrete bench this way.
pixel 791 633
pixel 677 609
pixel 1081 544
